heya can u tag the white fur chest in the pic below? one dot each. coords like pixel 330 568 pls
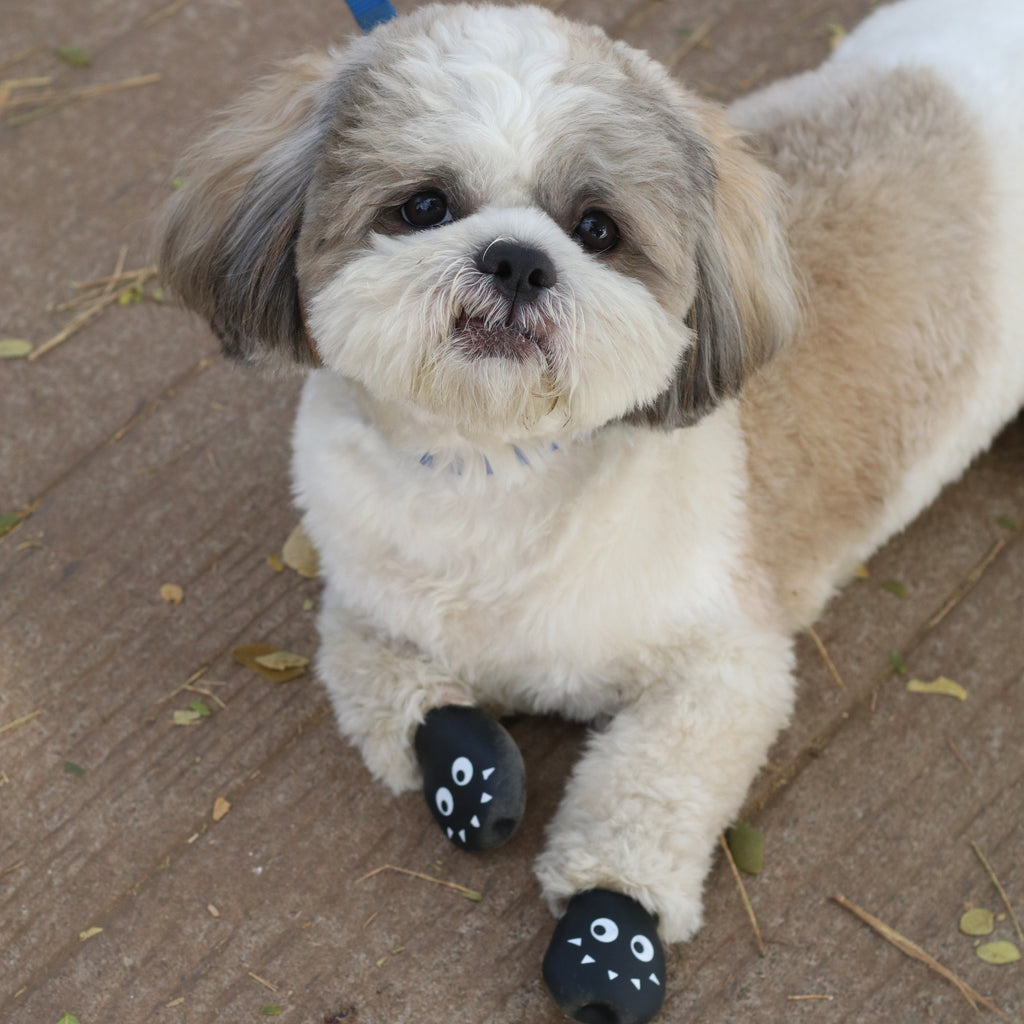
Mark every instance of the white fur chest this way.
pixel 539 575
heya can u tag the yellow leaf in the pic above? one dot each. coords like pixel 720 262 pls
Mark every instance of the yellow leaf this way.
pixel 186 717
pixel 89 933
pixel 172 593
pixel 220 808
pixel 977 921
pixel 998 952
pixel 275 563
pixel 247 655
pixel 941 685
pixel 861 572
pixel 281 661
pixel 14 348
pixel 299 554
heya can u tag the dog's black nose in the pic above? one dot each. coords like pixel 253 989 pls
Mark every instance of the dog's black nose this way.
pixel 520 272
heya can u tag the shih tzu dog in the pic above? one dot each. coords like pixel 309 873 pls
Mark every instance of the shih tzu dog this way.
pixel 610 389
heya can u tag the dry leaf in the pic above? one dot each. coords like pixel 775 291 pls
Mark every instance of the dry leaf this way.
pixel 998 952
pixel 299 554
pixel 172 593
pixel 246 654
pixel 214 912
pixel 977 921
pixel 73 56
pixel 861 572
pixel 220 808
pixel 746 844
pixel 189 717
pixel 941 685
pixel 281 661
pixel 89 933
pixel 275 563
pixel 14 348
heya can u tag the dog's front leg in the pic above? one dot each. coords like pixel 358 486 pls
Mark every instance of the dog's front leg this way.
pixel 415 723
pixel 643 808
pixel 381 691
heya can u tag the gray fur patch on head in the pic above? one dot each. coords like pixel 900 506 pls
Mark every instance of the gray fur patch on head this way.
pixel 309 167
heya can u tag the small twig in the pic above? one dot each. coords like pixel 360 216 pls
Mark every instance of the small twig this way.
pixel 833 671
pixel 695 38
pixel 960 757
pixel 829 998
pixel 743 894
pixel 96 303
pixel 262 981
pixel 126 277
pixel 470 894
pixel 13 867
pixel 199 672
pixel 21 55
pixel 913 950
pixel 967 584
pixel 81 93
pixel 52 99
pixel 21 721
pixel 89 313
pixel 1002 892
pixel 165 12
pixel 205 693
pixel 370 918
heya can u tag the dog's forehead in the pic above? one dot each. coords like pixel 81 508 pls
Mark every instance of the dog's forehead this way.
pixel 503 94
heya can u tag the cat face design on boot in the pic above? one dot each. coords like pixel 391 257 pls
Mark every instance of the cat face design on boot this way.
pixel 461 802
pixel 617 954
pixel 474 781
pixel 605 963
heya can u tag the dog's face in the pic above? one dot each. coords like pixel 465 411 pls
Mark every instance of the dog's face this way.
pixel 494 216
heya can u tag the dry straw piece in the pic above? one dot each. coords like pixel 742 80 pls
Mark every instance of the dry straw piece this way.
pixel 913 950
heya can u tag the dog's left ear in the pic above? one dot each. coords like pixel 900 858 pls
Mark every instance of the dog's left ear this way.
pixel 745 306
pixel 227 246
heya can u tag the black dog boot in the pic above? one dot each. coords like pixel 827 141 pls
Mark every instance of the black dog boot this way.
pixel 473 776
pixel 605 964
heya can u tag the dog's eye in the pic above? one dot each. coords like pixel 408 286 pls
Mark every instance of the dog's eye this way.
pixel 596 231
pixel 427 209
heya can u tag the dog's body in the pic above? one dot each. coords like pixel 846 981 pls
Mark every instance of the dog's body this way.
pixel 592 535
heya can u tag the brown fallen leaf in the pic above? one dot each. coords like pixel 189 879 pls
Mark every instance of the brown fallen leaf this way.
pixel 221 806
pixel 299 554
pixel 281 661
pixel 246 654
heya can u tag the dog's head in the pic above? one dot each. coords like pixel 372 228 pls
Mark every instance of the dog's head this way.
pixel 501 217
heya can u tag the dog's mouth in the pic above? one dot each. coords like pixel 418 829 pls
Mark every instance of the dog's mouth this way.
pixel 485 339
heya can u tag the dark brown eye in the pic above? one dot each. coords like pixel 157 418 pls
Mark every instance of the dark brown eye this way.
pixel 596 231
pixel 427 209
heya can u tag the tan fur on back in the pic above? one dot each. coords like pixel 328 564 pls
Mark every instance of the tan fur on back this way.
pixel 874 200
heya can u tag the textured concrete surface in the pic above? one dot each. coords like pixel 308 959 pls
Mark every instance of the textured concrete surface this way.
pixel 148 460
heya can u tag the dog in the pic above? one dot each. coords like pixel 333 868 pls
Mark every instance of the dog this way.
pixel 609 389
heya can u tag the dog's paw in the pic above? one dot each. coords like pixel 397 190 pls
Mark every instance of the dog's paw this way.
pixel 605 963
pixel 473 776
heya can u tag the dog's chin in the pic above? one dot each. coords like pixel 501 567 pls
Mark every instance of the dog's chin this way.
pixel 491 379
pixel 481 339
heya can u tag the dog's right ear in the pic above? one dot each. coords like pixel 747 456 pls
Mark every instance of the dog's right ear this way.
pixel 227 245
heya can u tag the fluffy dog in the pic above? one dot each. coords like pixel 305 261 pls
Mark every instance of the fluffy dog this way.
pixel 612 386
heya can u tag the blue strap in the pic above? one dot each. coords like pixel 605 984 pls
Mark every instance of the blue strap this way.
pixel 370 13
